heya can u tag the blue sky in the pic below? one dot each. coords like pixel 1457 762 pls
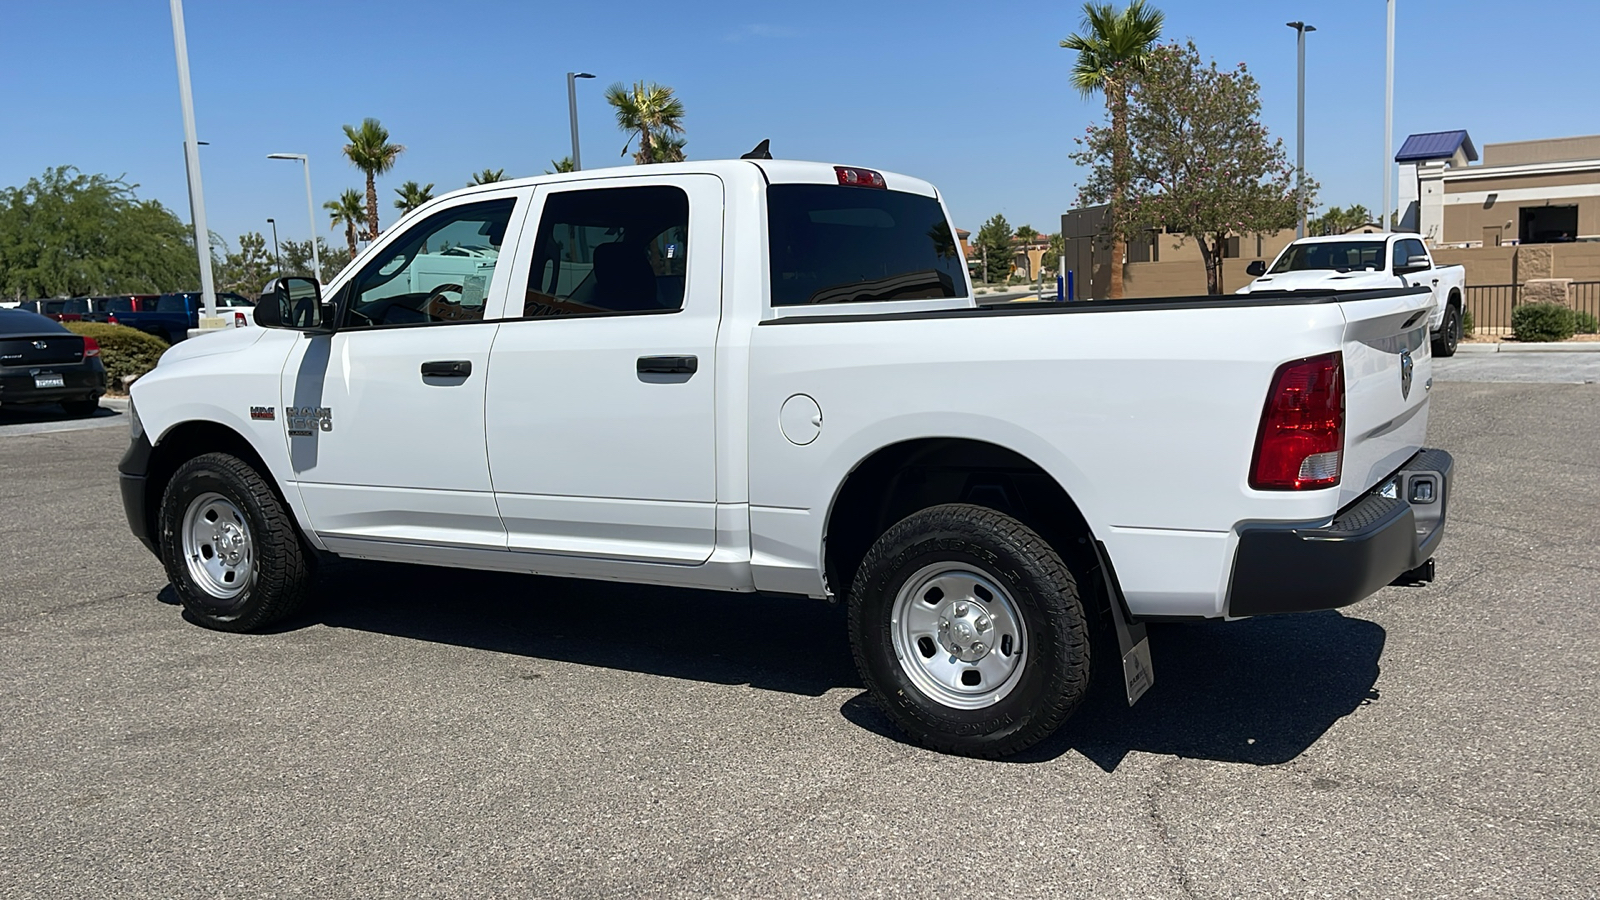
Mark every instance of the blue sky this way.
pixel 972 96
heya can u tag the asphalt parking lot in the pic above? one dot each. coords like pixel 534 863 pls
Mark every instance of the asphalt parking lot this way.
pixel 438 733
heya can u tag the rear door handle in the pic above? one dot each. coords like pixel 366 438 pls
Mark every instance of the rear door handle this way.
pixel 447 368
pixel 668 365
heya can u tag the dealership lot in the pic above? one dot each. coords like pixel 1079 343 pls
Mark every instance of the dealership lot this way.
pixel 427 732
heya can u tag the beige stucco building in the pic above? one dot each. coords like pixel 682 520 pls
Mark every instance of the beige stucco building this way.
pixel 1525 192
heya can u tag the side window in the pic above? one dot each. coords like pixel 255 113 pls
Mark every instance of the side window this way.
pixel 609 250
pixel 438 271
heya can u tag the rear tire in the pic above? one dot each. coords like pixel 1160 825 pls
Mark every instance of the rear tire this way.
pixel 968 632
pixel 1449 333
pixel 230 548
pixel 81 408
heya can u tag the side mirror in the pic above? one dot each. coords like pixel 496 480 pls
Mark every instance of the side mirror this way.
pixel 1256 269
pixel 1413 264
pixel 295 304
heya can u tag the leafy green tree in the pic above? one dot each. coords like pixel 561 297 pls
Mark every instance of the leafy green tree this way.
pixel 412 195
pixel 347 213
pixel 1113 51
pixel 487 176
pixel 564 165
pixel 1052 254
pixel 65 233
pixel 297 259
pixel 245 271
pixel 1199 161
pixel 994 246
pixel 370 151
pixel 648 110
pixel 1339 221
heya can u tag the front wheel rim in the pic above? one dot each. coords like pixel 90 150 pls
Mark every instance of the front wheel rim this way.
pixel 218 547
pixel 958 635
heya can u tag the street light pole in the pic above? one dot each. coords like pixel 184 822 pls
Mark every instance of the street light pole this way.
pixel 311 210
pixel 1300 127
pixel 572 110
pixel 1388 120
pixel 191 156
pixel 275 254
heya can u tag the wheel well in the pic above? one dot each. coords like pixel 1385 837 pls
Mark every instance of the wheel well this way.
pixel 183 443
pixel 1454 298
pixel 903 478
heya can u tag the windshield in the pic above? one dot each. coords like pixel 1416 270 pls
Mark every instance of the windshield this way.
pixel 1340 256
pixel 848 244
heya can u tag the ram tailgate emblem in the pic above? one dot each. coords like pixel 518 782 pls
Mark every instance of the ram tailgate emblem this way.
pixel 1406 366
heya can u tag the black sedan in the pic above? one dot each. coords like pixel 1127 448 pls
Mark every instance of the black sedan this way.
pixel 42 362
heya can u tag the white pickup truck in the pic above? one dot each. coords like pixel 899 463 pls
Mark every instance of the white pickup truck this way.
pixel 773 376
pixel 1354 262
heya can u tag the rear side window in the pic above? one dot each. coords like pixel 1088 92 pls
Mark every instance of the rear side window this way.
pixel 836 244
pixel 172 303
pixel 610 250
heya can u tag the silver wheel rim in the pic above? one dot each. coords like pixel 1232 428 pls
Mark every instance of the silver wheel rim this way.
pixel 217 546
pixel 958 635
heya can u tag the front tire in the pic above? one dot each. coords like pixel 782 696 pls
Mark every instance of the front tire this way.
pixel 968 632
pixel 1449 333
pixel 230 548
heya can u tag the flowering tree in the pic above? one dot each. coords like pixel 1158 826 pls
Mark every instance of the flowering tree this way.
pixel 1200 161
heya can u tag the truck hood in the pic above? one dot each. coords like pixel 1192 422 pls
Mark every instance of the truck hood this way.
pixel 226 340
pixel 1320 279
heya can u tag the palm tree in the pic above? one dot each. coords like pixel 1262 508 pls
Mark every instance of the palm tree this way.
pixel 349 212
pixel 649 109
pixel 1112 51
pixel 565 165
pixel 487 176
pixel 412 195
pixel 370 151
pixel 667 149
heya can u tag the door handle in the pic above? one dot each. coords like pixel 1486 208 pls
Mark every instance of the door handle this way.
pixel 447 368
pixel 668 365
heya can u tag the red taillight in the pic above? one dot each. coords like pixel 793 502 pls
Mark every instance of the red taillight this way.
pixel 239 320
pixel 111 318
pixel 91 347
pixel 1301 441
pixel 859 177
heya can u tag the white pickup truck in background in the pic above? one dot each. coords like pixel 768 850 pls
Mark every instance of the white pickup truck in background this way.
pixel 1353 262
pixel 773 376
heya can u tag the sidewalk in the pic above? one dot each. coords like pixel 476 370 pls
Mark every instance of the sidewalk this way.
pixel 1559 347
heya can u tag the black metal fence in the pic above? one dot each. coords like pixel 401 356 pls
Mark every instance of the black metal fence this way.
pixel 1491 304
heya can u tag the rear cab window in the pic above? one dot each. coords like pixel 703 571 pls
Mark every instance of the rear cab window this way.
pixel 832 245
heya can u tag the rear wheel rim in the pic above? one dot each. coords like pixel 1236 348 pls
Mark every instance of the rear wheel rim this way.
pixel 958 635
pixel 218 547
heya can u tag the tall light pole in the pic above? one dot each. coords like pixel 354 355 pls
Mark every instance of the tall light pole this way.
pixel 278 257
pixel 311 210
pixel 572 110
pixel 1300 127
pixel 191 155
pixel 1388 120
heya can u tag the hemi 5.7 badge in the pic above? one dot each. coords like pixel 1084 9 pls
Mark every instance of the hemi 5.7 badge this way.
pixel 263 413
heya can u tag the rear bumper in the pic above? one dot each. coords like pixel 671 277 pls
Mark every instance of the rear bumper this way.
pixel 80 381
pixel 1280 569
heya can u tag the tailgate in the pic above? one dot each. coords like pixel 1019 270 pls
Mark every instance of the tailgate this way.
pixel 1388 376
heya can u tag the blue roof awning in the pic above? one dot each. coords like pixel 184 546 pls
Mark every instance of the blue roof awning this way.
pixel 1436 145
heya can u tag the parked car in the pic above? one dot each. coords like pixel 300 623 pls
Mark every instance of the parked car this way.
pixel 106 309
pixel 756 375
pixel 59 309
pixel 1360 261
pixel 172 315
pixel 42 362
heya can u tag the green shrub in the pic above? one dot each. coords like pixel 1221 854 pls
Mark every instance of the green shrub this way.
pixel 123 350
pixel 1466 323
pixel 1586 323
pixel 1543 322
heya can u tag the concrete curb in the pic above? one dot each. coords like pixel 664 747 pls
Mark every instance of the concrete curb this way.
pixel 1579 347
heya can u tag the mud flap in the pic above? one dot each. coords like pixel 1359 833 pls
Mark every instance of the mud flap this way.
pixel 1132 641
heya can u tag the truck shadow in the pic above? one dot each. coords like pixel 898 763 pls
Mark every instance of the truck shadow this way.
pixel 1259 691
